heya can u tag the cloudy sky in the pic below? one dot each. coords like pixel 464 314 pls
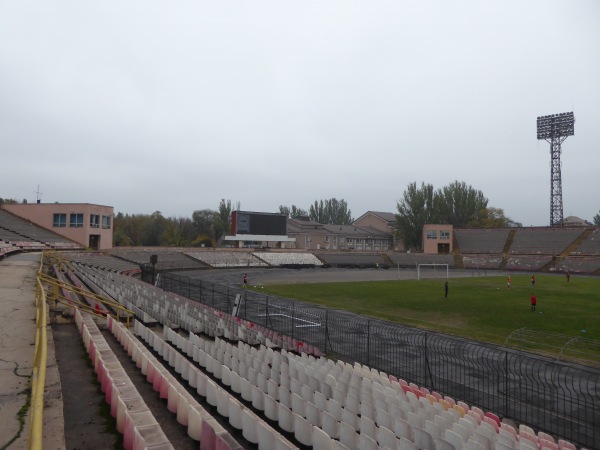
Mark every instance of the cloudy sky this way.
pixel 171 106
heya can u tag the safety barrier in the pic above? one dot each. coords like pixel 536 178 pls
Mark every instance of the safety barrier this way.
pixel 38 377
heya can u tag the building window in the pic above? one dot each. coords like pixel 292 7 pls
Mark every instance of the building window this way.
pixel 76 220
pixel 59 220
pixel 432 234
pixel 105 222
pixel 94 221
pixel 445 234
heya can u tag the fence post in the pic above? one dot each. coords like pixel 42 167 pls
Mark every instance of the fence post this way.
pixel 505 390
pixel 326 330
pixel 368 342
pixel 293 318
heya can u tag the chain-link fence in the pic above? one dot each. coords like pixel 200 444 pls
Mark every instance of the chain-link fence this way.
pixel 558 398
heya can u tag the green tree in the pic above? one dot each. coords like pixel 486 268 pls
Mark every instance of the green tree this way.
pixel 222 219
pixel 204 222
pixel 492 218
pixel 415 209
pixel 458 203
pixel 331 212
pixel 134 228
pixel 597 219
pixel 179 232
pixel 155 227
pixel 292 211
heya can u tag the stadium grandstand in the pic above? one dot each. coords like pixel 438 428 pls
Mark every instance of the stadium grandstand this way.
pixel 232 382
pixel 17 234
pixel 243 377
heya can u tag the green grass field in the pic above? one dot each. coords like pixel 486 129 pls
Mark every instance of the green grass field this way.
pixel 480 308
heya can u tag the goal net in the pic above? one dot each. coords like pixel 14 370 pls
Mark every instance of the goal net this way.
pixel 432 270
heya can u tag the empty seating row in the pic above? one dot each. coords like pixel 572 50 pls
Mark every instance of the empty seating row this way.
pixel 276 259
pixel 201 425
pixel 285 385
pixel 411 260
pixel 480 241
pixel 341 394
pixel 254 429
pixel 134 420
pixel 221 259
pixel 152 304
pixel 543 241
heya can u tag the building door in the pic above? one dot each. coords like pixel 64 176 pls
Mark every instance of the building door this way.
pixel 94 241
pixel 444 248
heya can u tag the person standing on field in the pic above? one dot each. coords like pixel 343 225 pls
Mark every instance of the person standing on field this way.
pixel 245 280
pixel 532 280
pixel 533 302
pixel 568 276
pixel 508 282
pixel 446 290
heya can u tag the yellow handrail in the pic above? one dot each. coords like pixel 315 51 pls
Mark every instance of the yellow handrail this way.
pixel 38 376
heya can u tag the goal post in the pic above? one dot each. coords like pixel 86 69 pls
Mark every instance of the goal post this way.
pixel 434 266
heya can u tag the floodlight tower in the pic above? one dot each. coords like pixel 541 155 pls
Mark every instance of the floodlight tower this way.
pixel 555 129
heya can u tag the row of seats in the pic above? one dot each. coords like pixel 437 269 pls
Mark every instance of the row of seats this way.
pixel 254 429
pixel 134 420
pixel 223 259
pixel 201 425
pixel 438 416
pixel 152 304
pixel 359 406
pixel 481 240
pixel 276 259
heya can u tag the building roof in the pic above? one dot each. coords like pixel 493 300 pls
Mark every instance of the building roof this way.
pixel 386 216
pixel 353 230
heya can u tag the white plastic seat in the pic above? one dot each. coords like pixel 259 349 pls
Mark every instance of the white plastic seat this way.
pixel 348 436
pixel 320 439
pixel 286 419
pixel 368 428
pixel 285 397
pixel 271 408
pixel 313 414
pixel 351 419
pixel 386 438
pixel 330 425
pixel 443 444
pixel 335 409
pixel 303 430
pixel 298 405
pixel 405 444
pixel 367 443
pixel 455 439
pixel 423 439
pixel 235 414
pixel 258 398
pixel 402 428
pixel 249 430
pixel 474 445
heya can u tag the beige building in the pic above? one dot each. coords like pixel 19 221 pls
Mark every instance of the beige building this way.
pixel 437 239
pixel 311 235
pixel 87 224
pixel 382 221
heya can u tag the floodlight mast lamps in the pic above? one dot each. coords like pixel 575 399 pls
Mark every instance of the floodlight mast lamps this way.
pixel 555 129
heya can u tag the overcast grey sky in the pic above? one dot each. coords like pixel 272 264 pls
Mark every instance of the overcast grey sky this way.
pixel 171 106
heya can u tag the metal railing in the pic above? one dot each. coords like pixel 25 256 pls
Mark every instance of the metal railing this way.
pixel 38 377
pixel 559 398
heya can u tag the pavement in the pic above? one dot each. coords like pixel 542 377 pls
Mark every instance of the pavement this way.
pixel 17 347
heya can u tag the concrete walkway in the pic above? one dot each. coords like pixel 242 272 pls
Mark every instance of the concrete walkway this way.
pixel 17 337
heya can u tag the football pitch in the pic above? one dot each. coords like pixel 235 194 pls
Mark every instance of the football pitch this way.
pixel 480 308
